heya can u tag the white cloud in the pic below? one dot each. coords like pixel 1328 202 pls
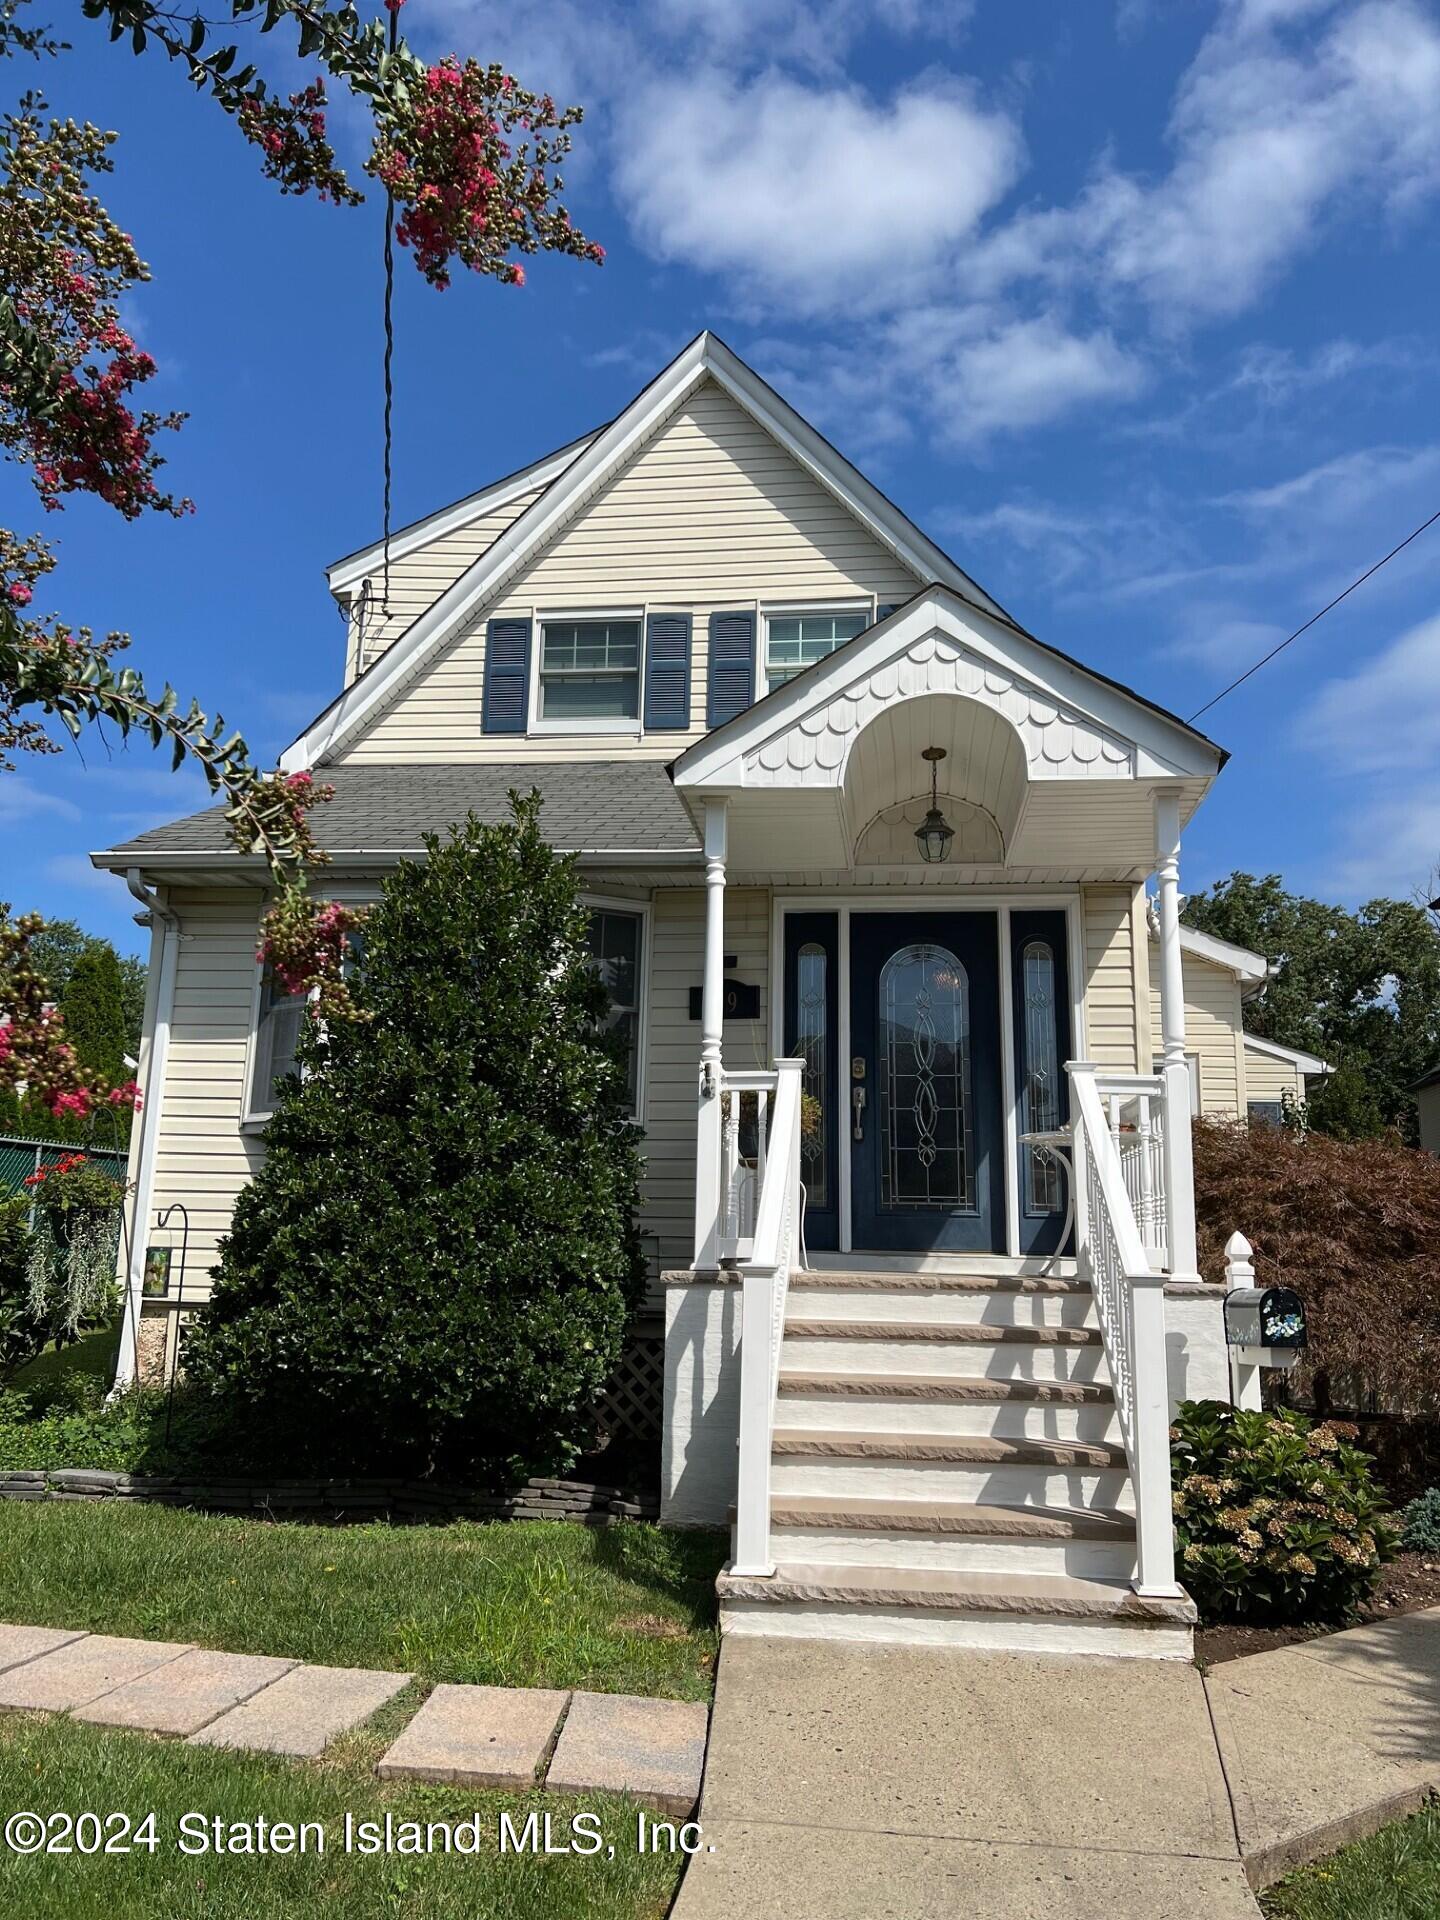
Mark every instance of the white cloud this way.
pixel 22 799
pixel 1386 716
pixel 824 198
pixel 75 870
pixel 1029 372
pixel 1389 848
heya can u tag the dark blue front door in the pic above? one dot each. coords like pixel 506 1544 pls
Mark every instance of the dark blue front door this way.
pixel 926 1151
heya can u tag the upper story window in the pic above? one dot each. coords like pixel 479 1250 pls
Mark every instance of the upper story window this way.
pixel 279 1017
pixel 795 641
pixel 589 673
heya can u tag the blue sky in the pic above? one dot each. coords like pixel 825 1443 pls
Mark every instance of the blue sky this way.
pixel 1126 304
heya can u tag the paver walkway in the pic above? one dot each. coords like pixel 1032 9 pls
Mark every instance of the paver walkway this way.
pixel 473 1736
pixel 876 1783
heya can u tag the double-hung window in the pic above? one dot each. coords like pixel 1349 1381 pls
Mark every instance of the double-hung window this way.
pixel 589 672
pixel 795 641
pixel 277 1034
pixel 617 949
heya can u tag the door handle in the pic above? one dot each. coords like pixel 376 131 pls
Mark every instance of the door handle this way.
pixel 857 1104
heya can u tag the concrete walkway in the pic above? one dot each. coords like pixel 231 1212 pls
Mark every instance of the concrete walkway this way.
pixel 875 1783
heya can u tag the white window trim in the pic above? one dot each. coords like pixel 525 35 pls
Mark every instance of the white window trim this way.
pixel 614 903
pixel 253 1117
pixel 1192 1062
pixel 540 618
pixel 798 609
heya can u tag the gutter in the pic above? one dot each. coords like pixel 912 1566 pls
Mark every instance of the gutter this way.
pixel 154 1054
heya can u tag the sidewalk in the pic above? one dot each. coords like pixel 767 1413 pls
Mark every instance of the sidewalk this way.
pixel 876 1783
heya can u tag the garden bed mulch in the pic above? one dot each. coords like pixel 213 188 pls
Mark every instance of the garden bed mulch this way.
pixel 1409 1584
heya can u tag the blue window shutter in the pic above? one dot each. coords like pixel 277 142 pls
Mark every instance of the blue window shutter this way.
pixel 667 672
pixel 732 666
pixel 505 704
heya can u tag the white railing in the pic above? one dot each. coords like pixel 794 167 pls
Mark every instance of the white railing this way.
pixel 1129 1296
pixel 1134 1105
pixel 765 1265
pixel 744 1100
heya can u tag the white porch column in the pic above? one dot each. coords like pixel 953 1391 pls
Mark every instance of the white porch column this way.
pixel 1179 1162
pixel 708 1143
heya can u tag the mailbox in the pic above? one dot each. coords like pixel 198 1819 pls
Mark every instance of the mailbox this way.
pixel 1267 1324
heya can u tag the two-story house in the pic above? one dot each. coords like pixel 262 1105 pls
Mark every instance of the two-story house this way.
pixel 914 1056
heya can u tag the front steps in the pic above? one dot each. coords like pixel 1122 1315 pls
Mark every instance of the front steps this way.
pixel 947 1469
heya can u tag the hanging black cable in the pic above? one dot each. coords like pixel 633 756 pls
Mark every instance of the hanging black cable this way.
pixel 389 352
pixel 1265 659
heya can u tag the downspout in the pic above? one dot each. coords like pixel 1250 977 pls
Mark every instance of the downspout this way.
pixel 164 953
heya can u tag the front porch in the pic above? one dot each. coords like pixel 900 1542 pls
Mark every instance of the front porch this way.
pixel 933 1238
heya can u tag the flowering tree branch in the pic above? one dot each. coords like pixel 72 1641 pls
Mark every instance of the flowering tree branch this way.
pixel 467 156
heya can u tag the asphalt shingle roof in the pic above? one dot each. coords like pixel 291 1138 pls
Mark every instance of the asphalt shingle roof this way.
pixel 590 806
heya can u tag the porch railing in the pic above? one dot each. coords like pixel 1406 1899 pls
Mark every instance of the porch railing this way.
pixel 1129 1291
pixel 1134 1105
pixel 765 1258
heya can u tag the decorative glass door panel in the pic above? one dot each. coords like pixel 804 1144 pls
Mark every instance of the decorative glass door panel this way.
pixel 926 1152
pixel 812 1032
pixel 1040 981
pixel 925 1112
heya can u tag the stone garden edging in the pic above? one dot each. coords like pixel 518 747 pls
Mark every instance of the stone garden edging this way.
pixel 334 1498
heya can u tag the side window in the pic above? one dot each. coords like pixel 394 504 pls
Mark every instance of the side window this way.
pixel 616 946
pixel 1266 1113
pixel 277 1033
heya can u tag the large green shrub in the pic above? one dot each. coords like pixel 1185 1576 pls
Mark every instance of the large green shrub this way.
pixel 21 1338
pixel 436 1264
pixel 1275 1519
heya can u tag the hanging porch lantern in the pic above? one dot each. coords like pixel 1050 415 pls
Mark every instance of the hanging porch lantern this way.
pixel 934 834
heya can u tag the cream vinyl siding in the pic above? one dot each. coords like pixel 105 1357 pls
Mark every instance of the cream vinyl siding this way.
pixel 418 580
pixel 1116 1023
pixel 710 514
pixel 1267 1078
pixel 673 1047
pixel 1212 1033
pixel 204 1158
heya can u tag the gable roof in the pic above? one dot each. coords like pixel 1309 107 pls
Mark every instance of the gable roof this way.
pixel 1306 1063
pixel 596 807
pixel 352 568
pixel 706 358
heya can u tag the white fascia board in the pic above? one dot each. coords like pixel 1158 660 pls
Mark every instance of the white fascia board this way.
pixel 485 579
pixel 1249 968
pixel 1306 1063
pixel 1165 749
pixel 348 572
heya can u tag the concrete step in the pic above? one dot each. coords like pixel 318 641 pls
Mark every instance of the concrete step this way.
pixel 1041 1613
pixel 965 1449
pixel 953 1536
pixel 927 1280
pixel 873 1326
pixel 991 1305
pixel 935 1406
pixel 1040 1355
pixel 962 1266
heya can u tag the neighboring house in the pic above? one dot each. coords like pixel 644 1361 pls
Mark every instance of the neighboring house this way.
pixel 738 674
pixel 1427 1105
pixel 1275 1075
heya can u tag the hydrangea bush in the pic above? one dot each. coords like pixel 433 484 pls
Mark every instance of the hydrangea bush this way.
pixel 1276 1519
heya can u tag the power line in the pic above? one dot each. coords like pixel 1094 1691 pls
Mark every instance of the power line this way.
pixel 1265 659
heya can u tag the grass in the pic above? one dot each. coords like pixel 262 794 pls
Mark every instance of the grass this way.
pixel 92 1355
pixel 50 1765
pixel 1394 1875
pixel 623 1609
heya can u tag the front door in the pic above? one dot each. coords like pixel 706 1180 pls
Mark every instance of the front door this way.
pixel 922 1084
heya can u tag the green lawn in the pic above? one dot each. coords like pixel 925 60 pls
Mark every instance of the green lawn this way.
pixel 52 1766
pixel 622 1609
pixel 1394 1875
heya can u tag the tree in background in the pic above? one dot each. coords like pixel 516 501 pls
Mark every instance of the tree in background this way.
pixel 98 997
pixel 63 944
pixel 1361 989
pixel 438 1258
pixel 466 156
